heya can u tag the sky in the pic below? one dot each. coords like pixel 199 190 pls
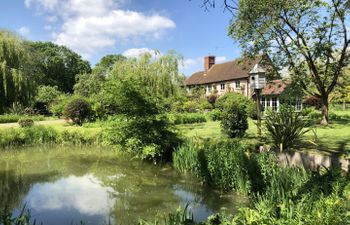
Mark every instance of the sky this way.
pixel 94 28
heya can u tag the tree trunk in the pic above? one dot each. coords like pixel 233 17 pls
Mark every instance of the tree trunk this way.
pixel 325 112
pixel 344 105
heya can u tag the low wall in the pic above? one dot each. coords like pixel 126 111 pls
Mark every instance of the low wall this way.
pixel 312 160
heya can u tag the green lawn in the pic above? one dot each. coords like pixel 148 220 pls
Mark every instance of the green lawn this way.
pixel 334 138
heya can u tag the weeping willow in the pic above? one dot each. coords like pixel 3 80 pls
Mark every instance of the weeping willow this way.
pixel 16 85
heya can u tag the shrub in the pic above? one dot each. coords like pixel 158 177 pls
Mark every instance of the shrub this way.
pixel 285 127
pixel 146 137
pixel 57 107
pixel 204 105
pixel 212 99
pixel 190 106
pixel 236 98
pixel 187 118
pixel 234 120
pixel 215 115
pixel 25 122
pixel 78 110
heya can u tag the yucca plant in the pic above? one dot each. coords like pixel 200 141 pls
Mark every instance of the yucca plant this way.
pixel 285 127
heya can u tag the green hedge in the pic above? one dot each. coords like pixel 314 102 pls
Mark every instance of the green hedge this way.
pixel 187 118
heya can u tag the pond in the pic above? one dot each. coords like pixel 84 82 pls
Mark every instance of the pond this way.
pixel 67 185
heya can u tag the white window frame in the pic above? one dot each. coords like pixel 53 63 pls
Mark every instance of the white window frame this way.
pixel 274 104
pixel 209 88
pixel 239 84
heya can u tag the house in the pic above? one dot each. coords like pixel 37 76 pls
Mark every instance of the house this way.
pixel 242 75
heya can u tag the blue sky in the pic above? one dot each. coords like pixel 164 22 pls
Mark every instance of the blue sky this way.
pixel 96 28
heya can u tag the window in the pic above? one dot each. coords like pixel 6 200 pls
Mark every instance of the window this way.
pixel 222 87
pixel 209 88
pixel 298 105
pixel 238 84
pixel 268 103
pixel 274 104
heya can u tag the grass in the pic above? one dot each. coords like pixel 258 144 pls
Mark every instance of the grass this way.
pixel 332 139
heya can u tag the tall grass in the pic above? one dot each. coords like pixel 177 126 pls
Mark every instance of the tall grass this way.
pixel 35 135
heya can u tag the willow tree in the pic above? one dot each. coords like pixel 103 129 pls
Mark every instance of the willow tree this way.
pixel 16 78
pixel 310 37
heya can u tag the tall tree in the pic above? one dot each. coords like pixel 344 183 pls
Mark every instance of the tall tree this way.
pixel 59 65
pixel 91 83
pixel 17 79
pixel 311 37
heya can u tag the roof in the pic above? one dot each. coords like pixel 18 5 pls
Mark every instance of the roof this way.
pixel 236 69
pixel 257 69
pixel 275 87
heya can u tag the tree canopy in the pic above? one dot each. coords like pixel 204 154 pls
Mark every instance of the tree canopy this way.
pixel 59 65
pixel 310 37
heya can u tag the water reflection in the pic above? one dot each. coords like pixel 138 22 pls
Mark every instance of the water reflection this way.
pixel 66 186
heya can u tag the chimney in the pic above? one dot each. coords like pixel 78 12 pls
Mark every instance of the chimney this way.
pixel 209 61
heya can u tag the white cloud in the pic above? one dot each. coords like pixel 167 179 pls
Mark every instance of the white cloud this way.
pixel 190 63
pixel 24 30
pixel 89 196
pixel 89 26
pixel 137 52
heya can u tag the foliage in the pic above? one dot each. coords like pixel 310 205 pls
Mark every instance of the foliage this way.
pixel 146 137
pixel 215 115
pixel 24 217
pixel 187 118
pixel 57 107
pixel 236 98
pixel 234 120
pixel 137 90
pixel 222 165
pixel 17 76
pixel 11 118
pixel 58 64
pixel 285 127
pixel 78 110
pixel 25 122
pixel 309 37
pixel 205 105
pixel 89 84
pixel 190 106
pixel 45 96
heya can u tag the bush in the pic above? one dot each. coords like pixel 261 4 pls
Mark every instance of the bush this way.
pixel 57 107
pixel 25 122
pixel 190 106
pixel 187 118
pixel 234 120
pixel 285 127
pixel 215 115
pixel 146 137
pixel 205 105
pixel 236 98
pixel 78 110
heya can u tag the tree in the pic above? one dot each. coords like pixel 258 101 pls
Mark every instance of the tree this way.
pixel 310 37
pixel 17 79
pixel 78 110
pixel 59 65
pixel 89 84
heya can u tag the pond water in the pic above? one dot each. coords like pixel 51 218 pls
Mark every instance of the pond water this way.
pixel 65 185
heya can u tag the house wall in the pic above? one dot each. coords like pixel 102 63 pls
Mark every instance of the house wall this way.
pixel 230 86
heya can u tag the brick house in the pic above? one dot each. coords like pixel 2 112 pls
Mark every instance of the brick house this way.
pixel 238 76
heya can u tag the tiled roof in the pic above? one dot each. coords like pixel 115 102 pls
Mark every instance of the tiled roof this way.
pixel 232 70
pixel 275 87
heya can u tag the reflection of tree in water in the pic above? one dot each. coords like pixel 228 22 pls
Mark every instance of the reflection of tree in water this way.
pixel 15 186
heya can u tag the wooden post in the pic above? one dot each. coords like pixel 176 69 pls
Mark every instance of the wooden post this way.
pixel 258 111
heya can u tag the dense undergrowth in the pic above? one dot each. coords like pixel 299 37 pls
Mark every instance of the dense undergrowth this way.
pixel 35 135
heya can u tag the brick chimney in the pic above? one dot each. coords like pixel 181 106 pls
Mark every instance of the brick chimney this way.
pixel 209 61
